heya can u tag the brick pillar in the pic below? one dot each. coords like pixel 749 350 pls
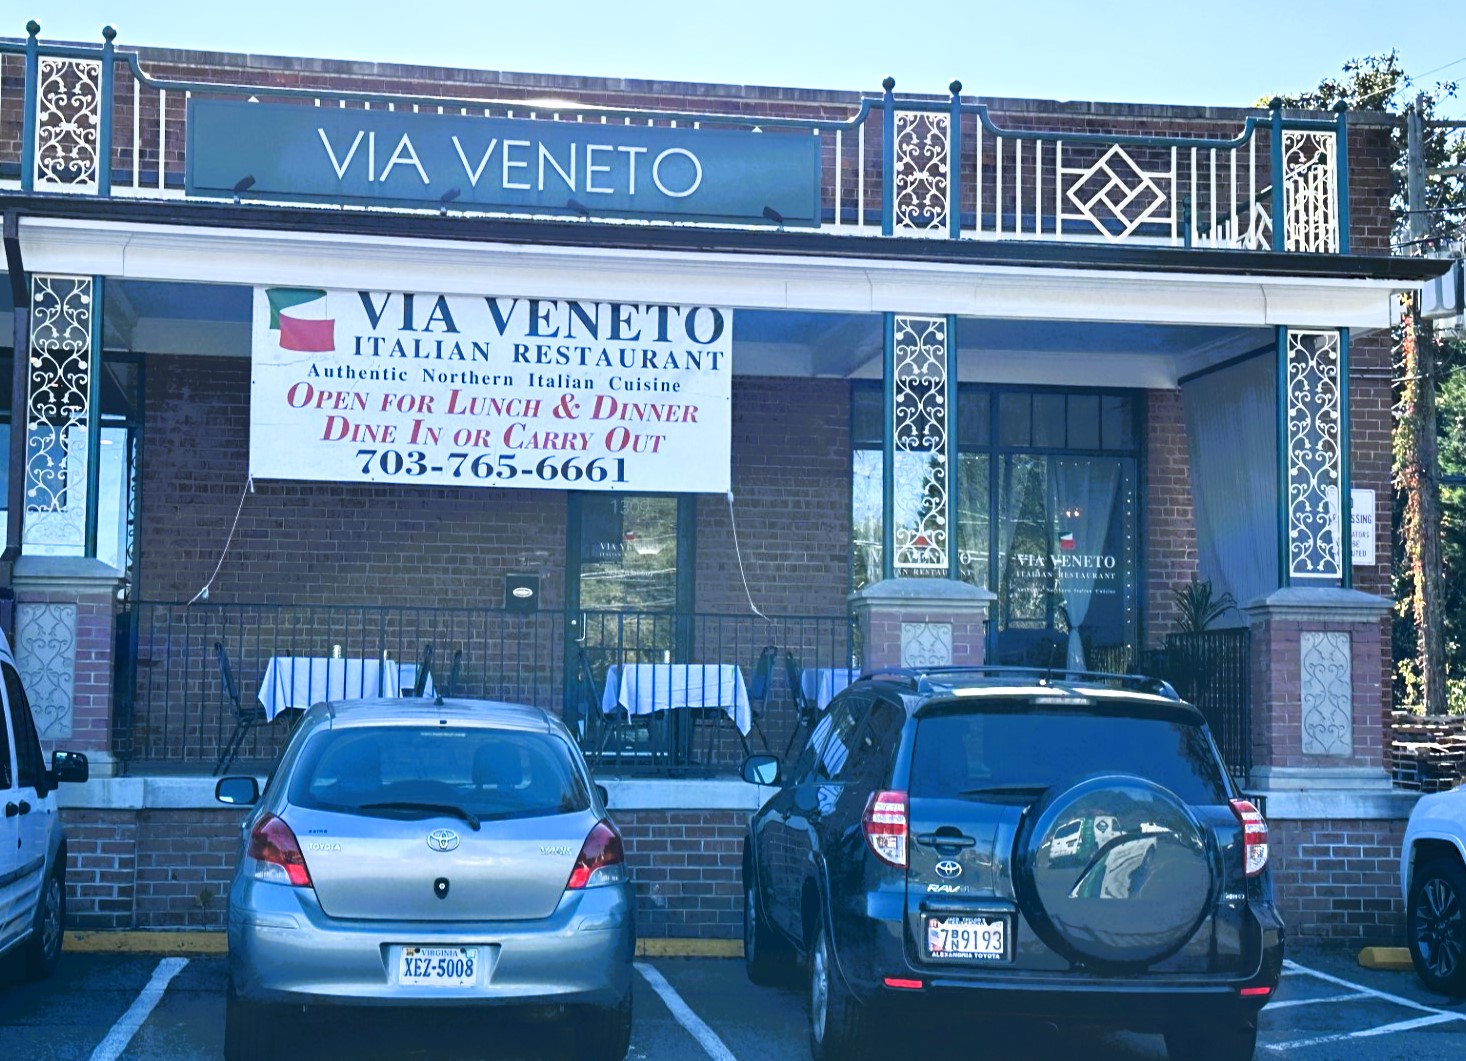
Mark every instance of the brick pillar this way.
pixel 64 625
pixel 921 622
pixel 1318 669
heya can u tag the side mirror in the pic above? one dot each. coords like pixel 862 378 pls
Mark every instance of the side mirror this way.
pixel 69 766
pixel 605 796
pixel 237 791
pixel 761 770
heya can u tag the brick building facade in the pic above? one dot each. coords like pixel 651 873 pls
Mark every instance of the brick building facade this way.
pixel 1132 310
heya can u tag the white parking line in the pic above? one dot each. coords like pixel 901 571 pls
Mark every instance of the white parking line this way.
pixel 110 1048
pixel 705 1036
pixel 1432 1016
pixel 1271 1006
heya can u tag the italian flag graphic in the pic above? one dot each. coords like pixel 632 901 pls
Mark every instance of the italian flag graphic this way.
pixel 1066 541
pixel 299 315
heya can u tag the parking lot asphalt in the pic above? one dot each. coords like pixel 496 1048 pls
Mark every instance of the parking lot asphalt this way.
pixel 136 1007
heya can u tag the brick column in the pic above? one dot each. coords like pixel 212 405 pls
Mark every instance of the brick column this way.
pixel 64 636
pixel 921 622
pixel 1318 667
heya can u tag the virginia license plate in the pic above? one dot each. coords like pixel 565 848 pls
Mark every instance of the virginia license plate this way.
pixel 438 966
pixel 969 938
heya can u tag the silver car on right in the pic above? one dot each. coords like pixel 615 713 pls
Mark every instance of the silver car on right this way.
pixel 412 853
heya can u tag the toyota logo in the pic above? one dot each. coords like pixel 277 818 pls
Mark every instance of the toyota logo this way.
pixel 949 868
pixel 442 839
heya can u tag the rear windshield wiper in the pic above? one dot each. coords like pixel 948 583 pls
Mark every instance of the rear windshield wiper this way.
pixel 428 808
pixel 1005 790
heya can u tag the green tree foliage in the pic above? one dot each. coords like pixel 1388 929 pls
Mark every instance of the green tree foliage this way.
pixel 1378 83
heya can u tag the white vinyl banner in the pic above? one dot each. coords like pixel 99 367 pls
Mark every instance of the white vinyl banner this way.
pixel 451 390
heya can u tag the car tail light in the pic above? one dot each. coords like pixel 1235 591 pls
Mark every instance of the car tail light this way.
pixel 601 859
pixel 885 825
pixel 1254 992
pixel 1254 836
pixel 273 846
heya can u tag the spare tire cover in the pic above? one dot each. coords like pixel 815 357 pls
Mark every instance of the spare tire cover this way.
pixel 1115 870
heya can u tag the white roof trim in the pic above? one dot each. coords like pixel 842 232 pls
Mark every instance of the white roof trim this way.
pixel 849 285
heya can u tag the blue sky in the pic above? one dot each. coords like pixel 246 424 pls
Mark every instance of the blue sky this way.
pixel 1112 50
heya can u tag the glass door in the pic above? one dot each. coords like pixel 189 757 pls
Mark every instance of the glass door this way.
pixel 628 590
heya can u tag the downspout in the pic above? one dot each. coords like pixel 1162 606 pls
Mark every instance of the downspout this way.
pixel 21 342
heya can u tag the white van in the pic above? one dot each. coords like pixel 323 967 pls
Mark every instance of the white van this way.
pixel 32 846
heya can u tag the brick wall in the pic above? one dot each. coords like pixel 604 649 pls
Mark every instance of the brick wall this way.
pixel 1339 879
pixel 171 869
pixel 1170 522
pixel 334 543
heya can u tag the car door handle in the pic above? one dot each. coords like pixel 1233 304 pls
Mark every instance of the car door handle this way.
pixel 945 839
pixel 11 810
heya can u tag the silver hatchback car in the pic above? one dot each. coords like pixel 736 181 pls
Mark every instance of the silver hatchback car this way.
pixel 412 853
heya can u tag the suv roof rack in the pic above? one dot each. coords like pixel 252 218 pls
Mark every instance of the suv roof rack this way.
pixel 936 679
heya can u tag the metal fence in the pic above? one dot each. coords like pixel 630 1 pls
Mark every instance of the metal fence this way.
pixel 95 122
pixel 172 712
pixel 1211 670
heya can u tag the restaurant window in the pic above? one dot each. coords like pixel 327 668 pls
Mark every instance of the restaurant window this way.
pixel 1046 517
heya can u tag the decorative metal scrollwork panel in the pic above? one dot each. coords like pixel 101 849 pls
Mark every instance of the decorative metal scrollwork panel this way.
pixel 1328 696
pixel 926 644
pixel 920 434
pixel 1310 185
pixel 45 656
pixel 923 186
pixel 57 413
pixel 68 120
pixel 1116 195
pixel 1314 454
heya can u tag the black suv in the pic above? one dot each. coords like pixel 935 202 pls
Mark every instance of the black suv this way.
pixel 1065 847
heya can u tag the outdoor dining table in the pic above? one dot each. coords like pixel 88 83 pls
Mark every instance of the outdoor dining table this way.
pixel 821 684
pixel 299 681
pixel 645 688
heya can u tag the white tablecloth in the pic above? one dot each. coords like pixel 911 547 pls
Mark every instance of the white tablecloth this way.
pixel 299 681
pixel 822 684
pixel 642 688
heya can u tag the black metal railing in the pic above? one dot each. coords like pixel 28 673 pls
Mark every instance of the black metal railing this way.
pixel 171 713
pixel 1211 670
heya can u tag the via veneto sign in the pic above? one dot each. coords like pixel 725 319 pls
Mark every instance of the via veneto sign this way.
pixel 430 389
pixel 400 158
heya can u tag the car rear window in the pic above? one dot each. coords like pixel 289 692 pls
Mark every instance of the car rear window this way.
pixel 490 774
pixel 1018 747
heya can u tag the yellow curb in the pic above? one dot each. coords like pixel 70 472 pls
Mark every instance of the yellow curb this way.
pixel 218 943
pixel 1395 959
pixel 147 942
pixel 689 948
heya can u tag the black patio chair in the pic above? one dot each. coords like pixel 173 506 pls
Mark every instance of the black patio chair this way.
pixel 424 671
pixel 451 685
pixel 805 709
pixel 619 726
pixel 760 688
pixel 245 718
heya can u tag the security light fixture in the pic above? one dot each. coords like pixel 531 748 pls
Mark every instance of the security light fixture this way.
pixel 243 185
pixel 578 206
pixel 446 198
pixel 774 216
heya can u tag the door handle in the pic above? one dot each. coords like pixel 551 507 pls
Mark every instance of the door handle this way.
pixel 25 808
pixel 11 810
pixel 945 839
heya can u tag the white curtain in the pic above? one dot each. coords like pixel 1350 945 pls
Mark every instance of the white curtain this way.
pixel 1083 492
pixel 1232 435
